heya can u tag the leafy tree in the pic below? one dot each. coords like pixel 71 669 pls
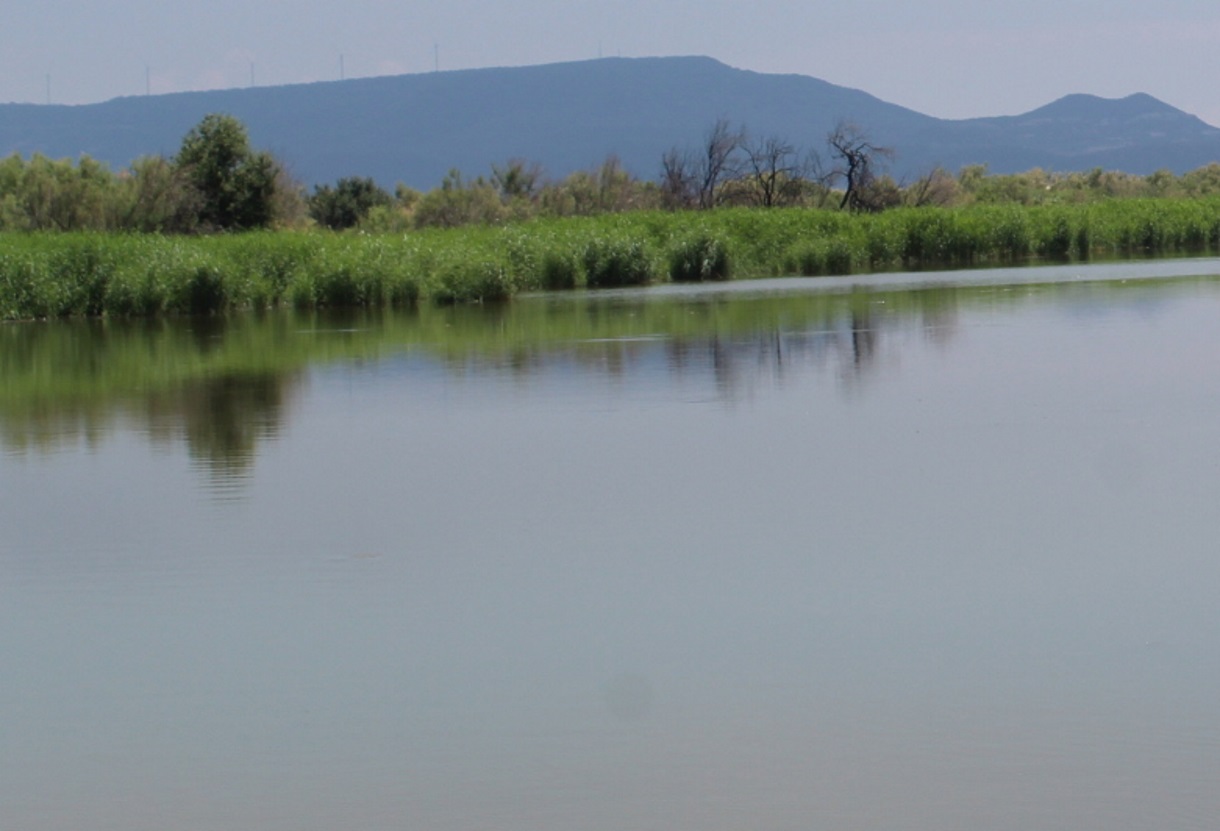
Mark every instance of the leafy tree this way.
pixel 235 185
pixel 45 194
pixel 1161 183
pixel 458 202
pixel 157 197
pixel 1204 181
pixel 348 203
pixel 608 188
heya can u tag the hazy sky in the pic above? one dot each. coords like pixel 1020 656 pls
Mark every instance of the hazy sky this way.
pixel 950 58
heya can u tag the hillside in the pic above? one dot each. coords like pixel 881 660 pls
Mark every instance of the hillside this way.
pixel 414 128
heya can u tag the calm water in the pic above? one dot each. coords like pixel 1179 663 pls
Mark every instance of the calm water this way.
pixel 791 555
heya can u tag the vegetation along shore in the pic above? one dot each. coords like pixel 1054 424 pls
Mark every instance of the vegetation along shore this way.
pixel 220 227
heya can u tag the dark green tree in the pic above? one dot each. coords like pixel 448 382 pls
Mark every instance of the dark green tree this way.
pixel 347 203
pixel 236 186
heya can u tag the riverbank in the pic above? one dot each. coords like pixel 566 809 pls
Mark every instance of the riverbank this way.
pixel 47 275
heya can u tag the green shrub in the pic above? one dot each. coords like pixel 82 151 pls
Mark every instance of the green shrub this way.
pixel 699 258
pixel 616 262
pixel 473 281
pixel 806 258
pixel 840 256
pixel 559 270
pixel 1010 235
pixel 200 291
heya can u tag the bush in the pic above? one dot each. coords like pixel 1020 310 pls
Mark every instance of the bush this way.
pixel 616 262
pixel 558 270
pixel 348 203
pixel 473 280
pixel 699 258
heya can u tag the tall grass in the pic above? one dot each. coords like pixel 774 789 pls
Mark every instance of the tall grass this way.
pixel 58 275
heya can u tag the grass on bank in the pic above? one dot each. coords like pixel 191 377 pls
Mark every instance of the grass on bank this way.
pixel 47 275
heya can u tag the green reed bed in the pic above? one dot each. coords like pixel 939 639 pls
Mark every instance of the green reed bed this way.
pixel 60 275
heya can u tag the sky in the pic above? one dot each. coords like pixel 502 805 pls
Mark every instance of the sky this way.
pixel 947 58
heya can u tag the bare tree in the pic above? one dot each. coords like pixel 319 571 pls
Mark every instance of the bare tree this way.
pixel 817 181
pixel 717 161
pixel 856 156
pixel 935 188
pixel 678 184
pixel 696 179
pixel 775 171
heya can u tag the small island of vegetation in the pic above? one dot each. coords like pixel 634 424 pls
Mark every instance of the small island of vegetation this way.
pixel 221 226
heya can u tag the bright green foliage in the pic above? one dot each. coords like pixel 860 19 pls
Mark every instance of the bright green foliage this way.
pixel 157 198
pixel 87 274
pixel 43 194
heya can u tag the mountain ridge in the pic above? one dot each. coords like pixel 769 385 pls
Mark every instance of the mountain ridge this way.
pixel 572 115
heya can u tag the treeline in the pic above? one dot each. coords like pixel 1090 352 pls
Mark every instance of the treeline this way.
pixel 218 182
pixel 731 168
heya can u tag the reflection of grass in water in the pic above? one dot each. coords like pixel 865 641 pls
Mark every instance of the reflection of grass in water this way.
pixel 221 383
pixel 82 360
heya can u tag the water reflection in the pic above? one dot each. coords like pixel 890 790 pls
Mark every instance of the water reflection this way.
pixel 222 420
pixel 68 384
pixel 223 387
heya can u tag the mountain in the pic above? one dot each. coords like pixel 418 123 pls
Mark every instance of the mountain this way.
pixel 569 116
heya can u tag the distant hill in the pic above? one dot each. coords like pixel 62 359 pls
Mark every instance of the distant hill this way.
pixel 569 116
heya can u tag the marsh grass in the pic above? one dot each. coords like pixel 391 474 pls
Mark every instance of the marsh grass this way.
pixel 45 275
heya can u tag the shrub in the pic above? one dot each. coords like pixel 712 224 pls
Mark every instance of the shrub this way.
pixel 559 269
pixel 699 258
pixel 348 203
pixel 616 262
pixel 475 280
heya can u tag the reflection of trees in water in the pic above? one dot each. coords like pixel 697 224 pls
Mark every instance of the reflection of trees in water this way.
pixel 210 383
pixel 222 419
pixel 863 341
pixel 848 345
pixel 74 383
pixel 46 430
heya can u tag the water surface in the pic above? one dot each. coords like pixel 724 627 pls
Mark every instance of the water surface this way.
pixel 786 555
